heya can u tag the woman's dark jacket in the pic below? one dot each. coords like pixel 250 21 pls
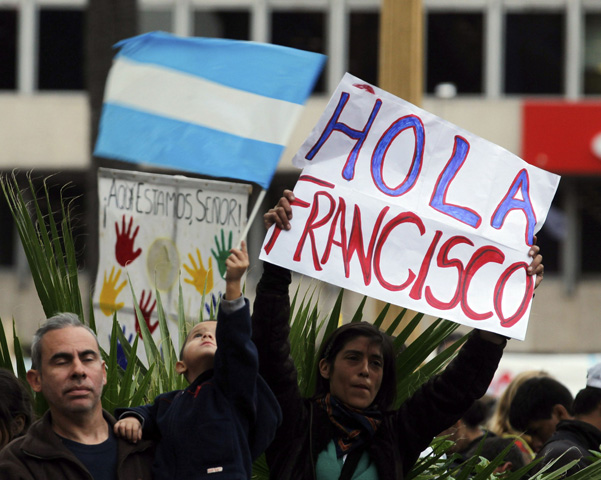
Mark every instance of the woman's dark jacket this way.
pixel 404 433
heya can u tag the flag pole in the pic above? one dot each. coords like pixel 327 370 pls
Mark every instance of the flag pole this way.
pixel 252 216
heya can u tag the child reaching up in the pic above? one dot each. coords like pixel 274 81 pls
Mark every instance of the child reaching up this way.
pixel 227 416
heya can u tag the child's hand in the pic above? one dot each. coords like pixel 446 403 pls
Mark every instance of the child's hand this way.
pixel 129 428
pixel 237 263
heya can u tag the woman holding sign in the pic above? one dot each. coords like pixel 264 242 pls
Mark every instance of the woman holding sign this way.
pixel 349 428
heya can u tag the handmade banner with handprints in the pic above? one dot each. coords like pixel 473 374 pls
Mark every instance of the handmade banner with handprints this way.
pixel 161 231
pixel 401 205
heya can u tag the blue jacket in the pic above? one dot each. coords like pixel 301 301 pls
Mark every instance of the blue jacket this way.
pixel 223 421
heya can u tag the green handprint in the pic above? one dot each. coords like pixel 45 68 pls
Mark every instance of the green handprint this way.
pixel 222 253
pixel 108 295
pixel 201 279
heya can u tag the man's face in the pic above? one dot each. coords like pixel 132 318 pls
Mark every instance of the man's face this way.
pixel 71 373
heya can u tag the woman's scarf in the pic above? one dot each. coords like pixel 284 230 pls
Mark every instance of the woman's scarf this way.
pixel 354 426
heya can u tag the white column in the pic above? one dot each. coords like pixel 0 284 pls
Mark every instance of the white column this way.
pixel 260 23
pixel 337 43
pixel 27 47
pixel 182 18
pixel 574 41
pixel 493 48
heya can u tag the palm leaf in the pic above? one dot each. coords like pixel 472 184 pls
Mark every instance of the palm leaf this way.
pixel 49 249
pixel 181 317
pixel 380 318
pixel 5 360
pixel 153 355
pixel 19 359
pixel 358 316
pixel 110 394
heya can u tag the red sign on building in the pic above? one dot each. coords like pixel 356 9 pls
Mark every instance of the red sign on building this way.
pixel 562 137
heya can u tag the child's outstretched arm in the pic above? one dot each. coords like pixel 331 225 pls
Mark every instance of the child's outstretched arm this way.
pixel 236 264
pixel 129 428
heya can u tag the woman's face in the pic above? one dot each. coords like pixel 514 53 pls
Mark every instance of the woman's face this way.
pixel 356 374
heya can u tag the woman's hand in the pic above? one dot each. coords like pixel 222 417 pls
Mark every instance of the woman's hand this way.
pixel 536 267
pixel 281 213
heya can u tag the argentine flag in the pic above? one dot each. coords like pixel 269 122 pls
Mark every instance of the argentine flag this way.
pixel 221 108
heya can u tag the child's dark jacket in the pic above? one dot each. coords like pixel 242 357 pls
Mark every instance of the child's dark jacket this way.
pixel 223 421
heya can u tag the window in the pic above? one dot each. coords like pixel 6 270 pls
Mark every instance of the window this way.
pixel 549 237
pixel 592 54
pixel 363 48
pixel 534 53
pixel 234 25
pixel 74 197
pixel 302 30
pixel 8 49
pixel 587 193
pixel 60 57
pixel 454 51
pixel 589 199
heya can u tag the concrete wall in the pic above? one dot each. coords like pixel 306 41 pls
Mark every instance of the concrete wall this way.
pixel 44 131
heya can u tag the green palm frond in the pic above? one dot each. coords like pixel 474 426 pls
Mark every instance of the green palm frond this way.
pixel 48 245
pixel 5 360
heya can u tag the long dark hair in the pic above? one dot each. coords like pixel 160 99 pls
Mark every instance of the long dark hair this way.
pixel 336 342
pixel 14 401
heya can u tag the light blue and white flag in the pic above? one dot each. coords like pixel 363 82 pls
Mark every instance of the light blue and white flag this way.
pixel 217 107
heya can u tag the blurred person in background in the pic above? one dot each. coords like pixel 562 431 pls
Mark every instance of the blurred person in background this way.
pixel 575 438
pixel 469 431
pixel 16 412
pixel 499 423
pixel 492 447
pixel 539 404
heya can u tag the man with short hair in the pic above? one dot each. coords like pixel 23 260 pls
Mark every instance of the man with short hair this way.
pixel 538 406
pixel 491 448
pixel 469 431
pixel 74 439
pixel 573 439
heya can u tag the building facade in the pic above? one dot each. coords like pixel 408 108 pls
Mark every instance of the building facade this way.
pixel 485 63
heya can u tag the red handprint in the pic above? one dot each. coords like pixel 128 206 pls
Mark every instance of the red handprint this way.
pixel 124 247
pixel 146 313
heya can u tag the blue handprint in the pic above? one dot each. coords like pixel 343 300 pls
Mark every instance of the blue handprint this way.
pixel 211 305
pixel 121 358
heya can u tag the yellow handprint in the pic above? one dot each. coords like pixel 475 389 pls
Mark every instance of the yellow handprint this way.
pixel 108 295
pixel 201 279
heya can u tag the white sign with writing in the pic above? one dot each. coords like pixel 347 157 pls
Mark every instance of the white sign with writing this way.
pixel 400 205
pixel 162 231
